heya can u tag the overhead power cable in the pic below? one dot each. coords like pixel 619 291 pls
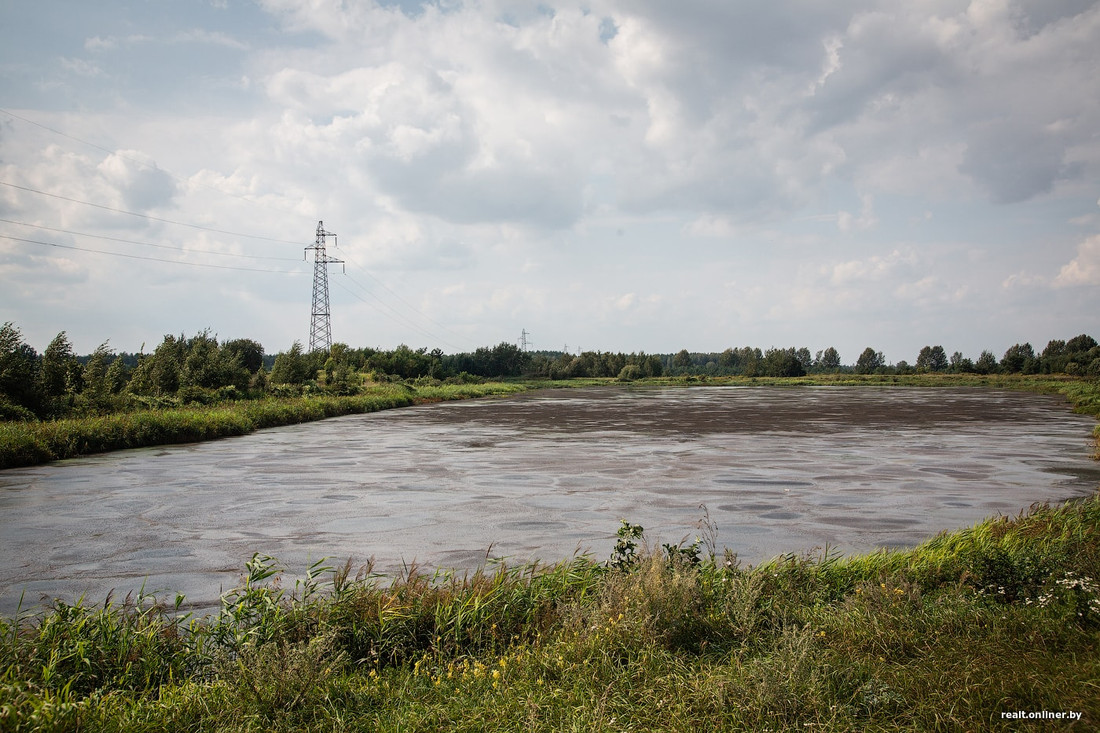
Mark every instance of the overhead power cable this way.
pixel 145 164
pixel 142 257
pixel 393 315
pixel 147 216
pixel 408 305
pixel 149 244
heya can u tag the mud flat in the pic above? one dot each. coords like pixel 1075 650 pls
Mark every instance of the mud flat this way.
pixel 541 476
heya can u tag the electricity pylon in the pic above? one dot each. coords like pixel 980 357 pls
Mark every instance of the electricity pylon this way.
pixel 320 328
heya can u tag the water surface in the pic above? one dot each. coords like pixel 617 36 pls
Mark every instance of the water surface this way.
pixel 541 475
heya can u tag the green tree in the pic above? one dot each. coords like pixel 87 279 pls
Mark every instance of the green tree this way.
pixel 117 375
pixel 727 361
pixel 292 367
pixel 57 367
pixel 203 364
pixel 249 353
pixel 828 360
pixel 960 364
pixel 986 363
pixel 783 363
pixel 804 358
pixel 158 374
pixel 1080 344
pixel 1019 358
pixel 870 361
pixel 97 387
pixel 630 372
pixel 751 361
pixel 19 366
pixel 932 359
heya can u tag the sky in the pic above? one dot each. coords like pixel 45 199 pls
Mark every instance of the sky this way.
pixel 615 175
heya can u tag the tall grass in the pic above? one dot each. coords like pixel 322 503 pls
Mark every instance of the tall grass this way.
pixel 29 443
pixel 998 618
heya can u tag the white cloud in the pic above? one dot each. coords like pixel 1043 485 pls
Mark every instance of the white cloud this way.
pixel 81 67
pixel 1083 269
pixel 873 268
pixel 137 180
pixel 847 222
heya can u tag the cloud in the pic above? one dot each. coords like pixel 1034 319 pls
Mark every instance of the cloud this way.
pixel 866 219
pixel 137 180
pixel 1083 269
pixel 873 268
pixel 81 67
pixel 591 150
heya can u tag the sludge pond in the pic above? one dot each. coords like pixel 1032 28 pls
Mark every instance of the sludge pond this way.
pixel 541 475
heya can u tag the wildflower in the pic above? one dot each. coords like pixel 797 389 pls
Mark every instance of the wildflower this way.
pixel 496 674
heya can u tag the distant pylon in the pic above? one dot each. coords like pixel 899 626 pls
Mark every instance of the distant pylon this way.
pixel 523 340
pixel 320 328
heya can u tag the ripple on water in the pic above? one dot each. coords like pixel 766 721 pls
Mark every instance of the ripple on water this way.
pixel 540 475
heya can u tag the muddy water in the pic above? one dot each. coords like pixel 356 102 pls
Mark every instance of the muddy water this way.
pixel 542 475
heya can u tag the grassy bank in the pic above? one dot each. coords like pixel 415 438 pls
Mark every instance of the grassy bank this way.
pixel 999 618
pixel 29 443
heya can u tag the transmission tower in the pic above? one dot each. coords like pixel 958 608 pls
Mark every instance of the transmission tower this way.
pixel 523 340
pixel 320 328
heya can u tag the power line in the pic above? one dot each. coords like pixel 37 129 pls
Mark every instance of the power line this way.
pixel 394 316
pixel 146 164
pixel 147 244
pixel 141 257
pixel 408 305
pixel 147 216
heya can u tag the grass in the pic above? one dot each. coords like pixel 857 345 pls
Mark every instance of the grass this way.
pixel 1001 617
pixel 30 443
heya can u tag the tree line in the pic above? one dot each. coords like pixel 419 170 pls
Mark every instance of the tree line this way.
pixel 202 369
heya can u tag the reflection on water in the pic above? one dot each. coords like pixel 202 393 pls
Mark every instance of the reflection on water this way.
pixel 541 475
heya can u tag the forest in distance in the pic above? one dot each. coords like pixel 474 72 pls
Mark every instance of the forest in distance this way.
pixel 181 370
